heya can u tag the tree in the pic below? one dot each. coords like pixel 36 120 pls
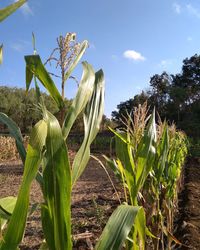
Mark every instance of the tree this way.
pixel 21 106
pixel 176 97
pixel 125 108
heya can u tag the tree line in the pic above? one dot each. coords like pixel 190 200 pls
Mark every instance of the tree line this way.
pixel 175 97
pixel 22 107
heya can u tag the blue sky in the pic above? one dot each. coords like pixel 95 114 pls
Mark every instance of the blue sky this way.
pixel 130 40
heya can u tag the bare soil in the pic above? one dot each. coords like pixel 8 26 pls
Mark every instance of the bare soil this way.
pixel 93 201
pixel 188 221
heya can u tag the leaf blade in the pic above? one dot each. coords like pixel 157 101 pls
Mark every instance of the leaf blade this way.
pixel 34 66
pixel 120 224
pixel 80 101
pixel 7 11
pixel 92 119
pixel 15 230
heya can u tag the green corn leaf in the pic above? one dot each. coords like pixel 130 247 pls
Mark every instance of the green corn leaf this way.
pixel 162 151
pixel 33 43
pixel 146 151
pixel 5 12
pixel 148 143
pixel 92 119
pixel 37 91
pixel 14 131
pixel 7 205
pixel 56 214
pixel 83 47
pixel 121 147
pixel 124 155
pixel 29 77
pixel 34 66
pixel 84 93
pixel 140 227
pixel 118 228
pixel 1 53
pixel 16 225
pixel 112 164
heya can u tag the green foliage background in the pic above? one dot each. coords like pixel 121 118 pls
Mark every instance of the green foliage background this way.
pixel 21 106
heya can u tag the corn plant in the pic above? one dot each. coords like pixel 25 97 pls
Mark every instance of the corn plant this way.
pixel 163 183
pixel 149 160
pixel 135 151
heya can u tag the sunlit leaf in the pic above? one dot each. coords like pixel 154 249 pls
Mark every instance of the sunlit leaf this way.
pixel 35 66
pixel 56 214
pixel 83 95
pixel 7 205
pixel 5 12
pixel 118 228
pixel 92 119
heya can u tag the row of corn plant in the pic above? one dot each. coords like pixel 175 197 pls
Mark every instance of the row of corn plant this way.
pixel 149 161
pixel 46 159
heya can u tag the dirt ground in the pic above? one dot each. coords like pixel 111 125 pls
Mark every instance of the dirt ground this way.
pixel 188 221
pixel 94 200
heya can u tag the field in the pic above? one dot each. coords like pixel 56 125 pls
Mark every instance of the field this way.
pixel 93 200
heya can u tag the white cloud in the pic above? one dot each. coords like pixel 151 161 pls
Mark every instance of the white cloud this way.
pixel 25 9
pixel 189 39
pixel 177 8
pixel 193 11
pixel 133 55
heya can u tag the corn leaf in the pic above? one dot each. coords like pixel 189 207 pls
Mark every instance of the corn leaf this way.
pixel 7 205
pixel 146 151
pixel 162 151
pixel 34 66
pixel 112 164
pixel 29 77
pixel 5 12
pixel 1 53
pixel 56 215
pixel 16 225
pixel 118 228
pixel 140 227
pixel 92 119
pixel 84 93
pixel 14 131
pixel 83 47
pixel 127 165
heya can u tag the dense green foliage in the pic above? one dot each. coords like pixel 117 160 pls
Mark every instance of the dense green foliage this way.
pixel 21 106
pixel 176 97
